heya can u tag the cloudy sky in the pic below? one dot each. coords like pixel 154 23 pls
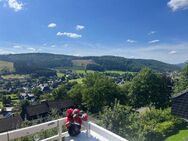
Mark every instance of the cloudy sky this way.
pixel 150 29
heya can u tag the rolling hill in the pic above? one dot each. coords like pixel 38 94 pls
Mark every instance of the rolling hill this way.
pixel 26 63
pixel 181 65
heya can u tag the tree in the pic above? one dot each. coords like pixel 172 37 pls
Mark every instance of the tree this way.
pixel 37 92
pixel 149 89
pixel 182 82
pixel 99 91
pixel 45 97
pixel 54 114
pixel 6 100
pixel 115 118
pixel 60 92
pixel 165 92
pixel 23 105
pixel 125 88
pixel 76 94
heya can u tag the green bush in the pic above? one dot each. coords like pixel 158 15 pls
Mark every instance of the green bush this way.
pixel 151 125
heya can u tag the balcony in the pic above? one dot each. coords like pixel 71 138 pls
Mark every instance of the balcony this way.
pixel 91 132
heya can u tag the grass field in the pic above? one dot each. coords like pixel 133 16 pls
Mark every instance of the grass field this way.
pixel 6 66
pixel 79 80
pixel 60 75
pixel 13 96
pixel 182 135
pixel 108 71
pixel 113 71
pixel 14 76
pixel 83 71
pixel 82 63
pixel 119 72
pixel 16 102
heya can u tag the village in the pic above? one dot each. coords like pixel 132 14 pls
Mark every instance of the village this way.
pixel 13 89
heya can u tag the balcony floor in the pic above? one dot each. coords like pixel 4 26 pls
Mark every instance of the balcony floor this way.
pixel 83 137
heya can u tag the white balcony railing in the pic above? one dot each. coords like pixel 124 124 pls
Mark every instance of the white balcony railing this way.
pixel 92 132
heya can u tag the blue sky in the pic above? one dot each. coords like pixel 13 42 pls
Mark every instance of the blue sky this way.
pixel 149 29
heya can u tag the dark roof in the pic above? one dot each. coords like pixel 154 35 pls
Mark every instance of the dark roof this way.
pixel 180 104
pixel 10 123
pixel 55 105
pixel 45 107
pixel 59 104
pixel 67 104
pixel 37 109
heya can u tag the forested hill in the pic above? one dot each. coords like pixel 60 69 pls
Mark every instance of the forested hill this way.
pixel 32 61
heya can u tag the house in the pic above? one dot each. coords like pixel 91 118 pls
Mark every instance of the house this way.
pixel 11 123
pixel 36 111
pixel 67 104
pixel 42 110
pixel 60 105
pixel 23 95
pixel 31 97
pixel 44 87
pixel 8 109
pixel 27 96
pixel 180 104
pixel 6 112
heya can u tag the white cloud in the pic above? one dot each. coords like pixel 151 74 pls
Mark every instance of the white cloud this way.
pixel 53 46
pixel 131 41
pixel 153 41
pixel 17 47
pixel 4 51
pixel 151 32
pixel 178 4
pixel 69 34
pixel 77 54
pixel 172 52
pixel 32 49
pixel 52 25
pixel 65 45
pixel 79 27
pixel 15 5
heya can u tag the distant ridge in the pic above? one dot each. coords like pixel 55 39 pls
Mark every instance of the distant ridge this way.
pixel 181 65
pixel 32 61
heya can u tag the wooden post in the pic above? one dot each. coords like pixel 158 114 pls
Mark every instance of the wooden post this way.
pixel 59 129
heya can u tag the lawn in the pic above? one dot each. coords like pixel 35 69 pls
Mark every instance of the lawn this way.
pixel 114 71
pixel 79 80
pixel 14 76
pixel 119 72
pixel 13 96
pixel 182 135
pixel 83 71
pixel 16 102
pixel 60 74
pixel 15 99
pixel 107 71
